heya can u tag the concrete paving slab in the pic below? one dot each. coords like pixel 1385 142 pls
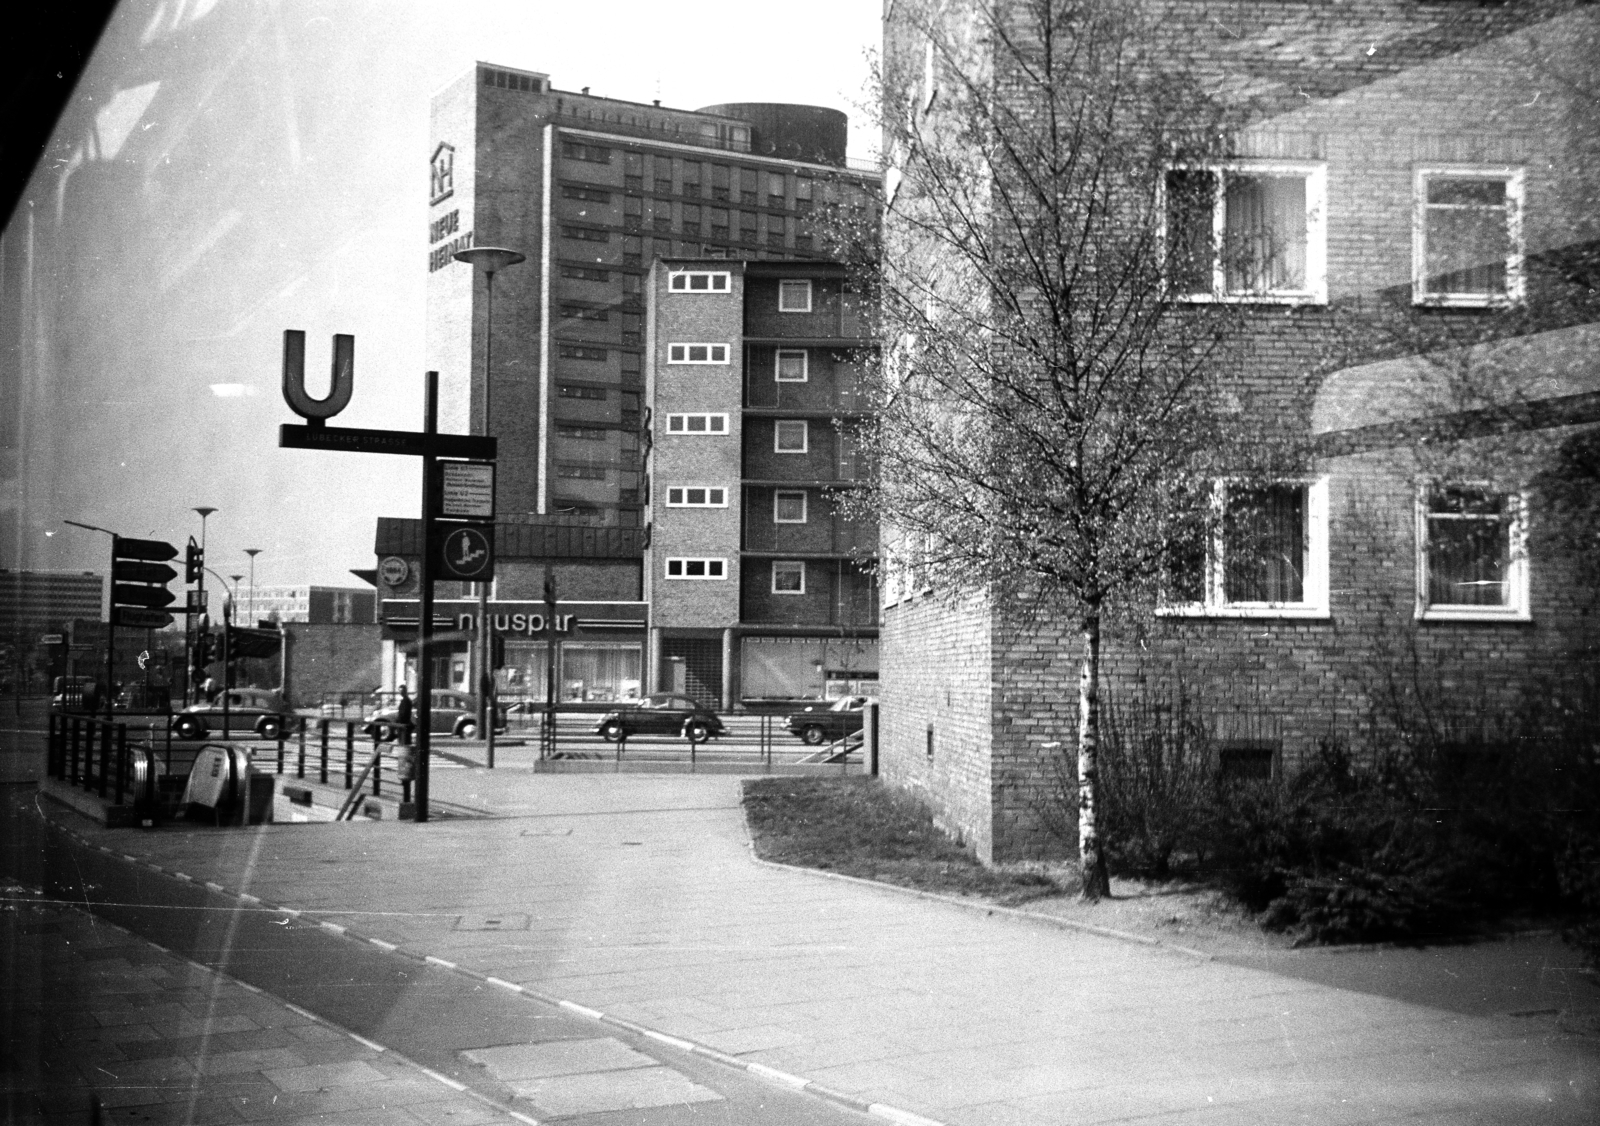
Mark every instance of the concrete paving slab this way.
pixel 637 1089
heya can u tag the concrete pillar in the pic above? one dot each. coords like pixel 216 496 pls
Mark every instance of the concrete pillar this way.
pixel 727 670
pixel 652 661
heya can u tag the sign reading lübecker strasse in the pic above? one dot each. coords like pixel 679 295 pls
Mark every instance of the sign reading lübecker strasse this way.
pixel 468 489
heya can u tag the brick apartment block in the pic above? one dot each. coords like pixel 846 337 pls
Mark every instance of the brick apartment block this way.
pixel 1400 120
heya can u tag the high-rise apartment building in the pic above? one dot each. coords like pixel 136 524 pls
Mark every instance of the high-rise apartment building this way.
pixel 758 571
pixel 591 190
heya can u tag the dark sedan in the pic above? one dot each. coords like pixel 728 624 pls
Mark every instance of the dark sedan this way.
pixel 817 725
pixel 661 714
pixel 260 710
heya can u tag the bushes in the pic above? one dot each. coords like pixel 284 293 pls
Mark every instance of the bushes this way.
pixel 1417 835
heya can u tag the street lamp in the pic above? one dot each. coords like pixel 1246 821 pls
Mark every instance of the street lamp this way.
pixel 487 260
pixel 252 552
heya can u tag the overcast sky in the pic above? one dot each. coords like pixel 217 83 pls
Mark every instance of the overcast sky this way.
pixel 231 168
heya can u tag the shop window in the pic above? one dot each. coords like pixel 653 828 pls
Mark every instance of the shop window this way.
pixel 1248 232
pixel 690 568
pixel 1467 236
pixel 788 576
pixel 794 296
pixel 1265 553
pixel 791 436
pixel 1472 558
pixel 789 506
pixel 792 365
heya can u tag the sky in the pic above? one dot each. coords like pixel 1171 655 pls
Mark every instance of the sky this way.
pixel 228 169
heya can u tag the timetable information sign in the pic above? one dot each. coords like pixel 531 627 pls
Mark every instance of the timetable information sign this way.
pixel 466 490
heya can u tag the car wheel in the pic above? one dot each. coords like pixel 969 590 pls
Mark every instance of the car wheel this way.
pixel 812 734
pixel 612 732
pixel 696 732
pixel 467 729
pixel 383 733
pixel 189 728
pixel 271 728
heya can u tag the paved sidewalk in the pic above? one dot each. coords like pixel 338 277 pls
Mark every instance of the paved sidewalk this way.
pixel 636 896
pixel 100 1026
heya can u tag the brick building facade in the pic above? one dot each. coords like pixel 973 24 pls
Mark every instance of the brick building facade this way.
pixel 1433 381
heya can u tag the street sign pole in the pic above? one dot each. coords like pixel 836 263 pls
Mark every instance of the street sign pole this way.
pixel 430 425
pixel 429 445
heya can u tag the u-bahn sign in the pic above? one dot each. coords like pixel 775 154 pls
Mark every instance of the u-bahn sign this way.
pixel 466 552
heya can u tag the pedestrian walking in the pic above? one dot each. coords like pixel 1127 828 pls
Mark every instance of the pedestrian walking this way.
pixel 403 714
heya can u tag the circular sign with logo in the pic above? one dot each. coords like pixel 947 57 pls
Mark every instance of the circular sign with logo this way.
pixel 394 571
pixel 467 553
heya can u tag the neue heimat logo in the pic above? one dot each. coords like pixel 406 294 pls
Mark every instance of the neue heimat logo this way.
pixel 442 173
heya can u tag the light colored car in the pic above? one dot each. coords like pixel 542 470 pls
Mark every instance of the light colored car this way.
pixel 262 711
pixel 454 713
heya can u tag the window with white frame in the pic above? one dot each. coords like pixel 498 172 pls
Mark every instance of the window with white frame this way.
pixel 697 424
pixel 794 296
pixel 791 436
pixel 697 353
pixel 789 506
pixel 688 568
pixel 1472 561
pixel 698 281
pixel 1264 554
pixel 1252 231
pixel 788 576
pixel 697 496
pixel 793 365
pixel 1467 237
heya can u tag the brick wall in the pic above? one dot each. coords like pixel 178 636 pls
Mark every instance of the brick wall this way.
pixel 331 659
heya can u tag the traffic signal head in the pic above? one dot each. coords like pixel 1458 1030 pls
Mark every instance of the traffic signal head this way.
pixel 193 562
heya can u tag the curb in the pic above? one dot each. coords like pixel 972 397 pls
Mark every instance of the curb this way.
pixel 760 1071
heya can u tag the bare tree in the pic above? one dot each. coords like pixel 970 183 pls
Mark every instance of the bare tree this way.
pixel 1049 424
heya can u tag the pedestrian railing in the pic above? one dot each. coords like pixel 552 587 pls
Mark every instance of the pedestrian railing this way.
pixel 327 749
pixel 98 756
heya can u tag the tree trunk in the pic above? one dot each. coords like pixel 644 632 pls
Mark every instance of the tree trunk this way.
pixel 1091 855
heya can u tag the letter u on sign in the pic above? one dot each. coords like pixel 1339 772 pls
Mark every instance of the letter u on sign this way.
pixel 294 376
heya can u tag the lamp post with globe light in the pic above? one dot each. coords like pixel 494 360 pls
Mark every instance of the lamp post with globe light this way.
pixel 487 260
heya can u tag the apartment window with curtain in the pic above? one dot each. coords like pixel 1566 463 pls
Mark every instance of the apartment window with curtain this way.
pixel 1263 553
pixel 1248 232
pixel 1471 554
pixel 1467 236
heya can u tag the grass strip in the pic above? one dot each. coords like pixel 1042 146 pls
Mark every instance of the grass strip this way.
pixel 860 827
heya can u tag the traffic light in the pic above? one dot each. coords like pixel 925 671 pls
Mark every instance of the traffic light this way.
pixel 139 578
pixel 194 561
pixel 202 650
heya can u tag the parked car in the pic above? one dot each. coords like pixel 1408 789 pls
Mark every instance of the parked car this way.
pixel 454 713
pixel 817 725
pixel 661 714
pixel 261 710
